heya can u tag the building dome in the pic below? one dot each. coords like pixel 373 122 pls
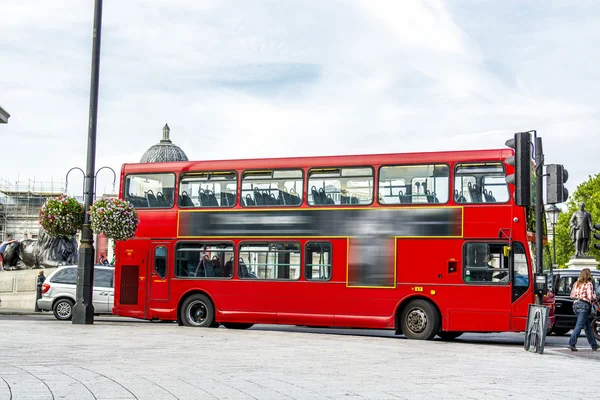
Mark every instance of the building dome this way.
pixel 164 151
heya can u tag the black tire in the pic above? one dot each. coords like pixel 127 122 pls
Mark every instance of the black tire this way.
pixel 63 309
pixel 596 328
pixel 420 320
pixel 445 335
pixel 197 311
pixel 236 325
pixel 560 331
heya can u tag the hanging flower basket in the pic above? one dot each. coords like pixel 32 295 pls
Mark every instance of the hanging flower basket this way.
pixel 61 216
pixel 115 218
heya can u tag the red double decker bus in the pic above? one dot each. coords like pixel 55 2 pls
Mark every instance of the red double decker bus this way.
pixel 423 243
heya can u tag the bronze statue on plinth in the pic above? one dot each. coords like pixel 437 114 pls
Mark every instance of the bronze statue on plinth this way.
pixel 581 230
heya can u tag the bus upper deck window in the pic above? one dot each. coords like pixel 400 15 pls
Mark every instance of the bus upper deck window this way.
pixel 480 183
pixel 150 190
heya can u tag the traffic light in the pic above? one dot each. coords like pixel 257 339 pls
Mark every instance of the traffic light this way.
pixel 522 163
pixel 556 192
pixel 597 235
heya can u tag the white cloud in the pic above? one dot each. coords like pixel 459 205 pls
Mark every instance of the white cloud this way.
pixel 266 79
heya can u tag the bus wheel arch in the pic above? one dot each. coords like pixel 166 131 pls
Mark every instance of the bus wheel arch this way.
pixel 418 318
pixel 196 309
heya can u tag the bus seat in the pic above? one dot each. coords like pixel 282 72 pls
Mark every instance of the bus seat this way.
pixel 151 198
pixel 202 198
pixel 323 196
pixel 474 192
pixel 271 199
pixel 249 200
pixel 224 200
pixel 458 197
pixel 160 200
pixel 404 198
pixel 185 200
pixel 258 198
pixel 316 196
pixel 489 198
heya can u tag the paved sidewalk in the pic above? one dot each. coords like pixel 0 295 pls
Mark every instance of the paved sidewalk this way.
pixel 41 358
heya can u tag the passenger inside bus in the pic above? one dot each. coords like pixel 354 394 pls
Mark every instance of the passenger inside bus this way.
pixel 244 272
pixel 216 265
pixel 228 269
pixel 485 263
pixel 201 267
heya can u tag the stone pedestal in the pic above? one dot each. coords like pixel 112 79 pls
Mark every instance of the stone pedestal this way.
pixel 581 263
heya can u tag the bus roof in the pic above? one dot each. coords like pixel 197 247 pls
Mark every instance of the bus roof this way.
pixel 324 161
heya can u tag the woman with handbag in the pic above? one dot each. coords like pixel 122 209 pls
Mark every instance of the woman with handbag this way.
pixel 583 292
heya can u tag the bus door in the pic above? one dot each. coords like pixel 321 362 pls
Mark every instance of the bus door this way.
pixel 130 278
pixel 484 302
pixel 521 287
pixel 158 271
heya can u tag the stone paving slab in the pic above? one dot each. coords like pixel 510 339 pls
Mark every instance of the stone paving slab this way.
pixel 41 358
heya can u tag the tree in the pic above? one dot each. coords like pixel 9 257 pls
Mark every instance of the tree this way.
pixel 589 193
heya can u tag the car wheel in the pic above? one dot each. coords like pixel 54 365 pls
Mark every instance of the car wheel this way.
pixel 560 331
pixel 596 328
pixel 198 311
pixel 420 320
pixel 236 325
pixel 445 335
pixel 63 309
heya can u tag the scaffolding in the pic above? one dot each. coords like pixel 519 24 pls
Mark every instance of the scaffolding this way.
pixel 19 205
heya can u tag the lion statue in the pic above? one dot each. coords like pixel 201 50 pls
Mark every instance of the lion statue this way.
pixel 44 252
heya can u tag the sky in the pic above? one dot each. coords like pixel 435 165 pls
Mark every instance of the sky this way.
pixel 277 78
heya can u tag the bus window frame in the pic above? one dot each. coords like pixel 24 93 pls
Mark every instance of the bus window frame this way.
pixel 454 168
pixel 450 184
pixel 188 173
pixel 304 265
pixel 486 283
pixel 241 184
pixel 205 242
pixel 269 241
pixel 126 189
pixel 375 176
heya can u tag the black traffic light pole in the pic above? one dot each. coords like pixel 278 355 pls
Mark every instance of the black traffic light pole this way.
pixel 83 312
pixel 539 223
pixel 597 235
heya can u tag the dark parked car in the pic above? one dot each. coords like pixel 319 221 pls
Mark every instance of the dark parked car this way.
pixel 562 283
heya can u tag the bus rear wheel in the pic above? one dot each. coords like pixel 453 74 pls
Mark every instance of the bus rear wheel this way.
pixel 197 311
pixel 236 325
pixel 420 320
pixel 445 335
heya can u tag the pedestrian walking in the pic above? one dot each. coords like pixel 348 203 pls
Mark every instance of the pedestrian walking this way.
pixel 40 281
pixel 584 294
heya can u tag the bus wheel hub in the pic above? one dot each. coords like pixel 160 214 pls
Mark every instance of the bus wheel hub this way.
pixel 416 320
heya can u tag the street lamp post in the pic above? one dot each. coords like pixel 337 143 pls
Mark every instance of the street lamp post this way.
pixel 553 211
pixel 83 312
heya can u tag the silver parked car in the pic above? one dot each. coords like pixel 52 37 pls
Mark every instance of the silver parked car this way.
pixel 59 291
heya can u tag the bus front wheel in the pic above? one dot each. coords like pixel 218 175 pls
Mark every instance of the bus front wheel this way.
pixel 198 311
pixel 420 320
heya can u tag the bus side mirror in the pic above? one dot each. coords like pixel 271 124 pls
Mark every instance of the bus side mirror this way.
pixel 506 250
